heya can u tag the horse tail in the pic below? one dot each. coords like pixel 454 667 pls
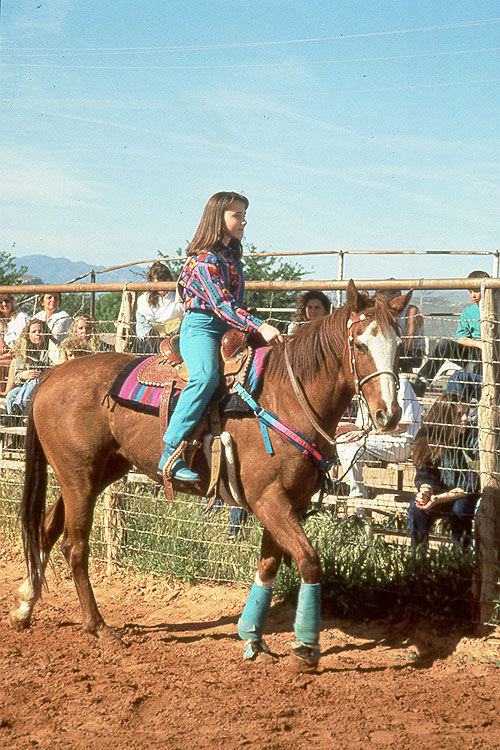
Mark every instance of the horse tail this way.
pixel 33 501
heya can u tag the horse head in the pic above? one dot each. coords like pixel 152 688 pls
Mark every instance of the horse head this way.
pixel 373 347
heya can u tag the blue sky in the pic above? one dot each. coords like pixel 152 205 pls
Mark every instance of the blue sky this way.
pixel 349 125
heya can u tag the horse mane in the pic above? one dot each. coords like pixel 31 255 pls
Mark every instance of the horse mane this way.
pixel 313 346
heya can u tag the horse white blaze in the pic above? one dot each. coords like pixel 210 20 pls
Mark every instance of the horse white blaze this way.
pixel 383 349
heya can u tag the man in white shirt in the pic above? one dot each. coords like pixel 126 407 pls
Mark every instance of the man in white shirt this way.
pixel 395 447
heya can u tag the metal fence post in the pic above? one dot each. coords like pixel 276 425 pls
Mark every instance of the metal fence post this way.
pixel 487 576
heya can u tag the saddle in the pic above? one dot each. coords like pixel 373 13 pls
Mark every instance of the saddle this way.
pixel 168 371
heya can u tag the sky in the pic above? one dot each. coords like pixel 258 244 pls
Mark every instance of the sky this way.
pixel 349 125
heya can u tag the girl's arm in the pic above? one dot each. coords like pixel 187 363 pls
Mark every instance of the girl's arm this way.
pixel 426 501
pixel 10 377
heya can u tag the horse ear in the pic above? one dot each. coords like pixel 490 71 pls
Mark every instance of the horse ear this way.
pixel 353 298
pixel 398 304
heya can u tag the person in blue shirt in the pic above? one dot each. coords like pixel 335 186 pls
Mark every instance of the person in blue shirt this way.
pixel 466 347
pixel 445 456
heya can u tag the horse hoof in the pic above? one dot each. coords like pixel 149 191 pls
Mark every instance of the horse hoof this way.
pixel 109 636
pixel 305 658
pixel 17 623
pixel 254 648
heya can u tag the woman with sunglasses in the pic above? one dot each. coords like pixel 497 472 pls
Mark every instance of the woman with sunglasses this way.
pixel 12 322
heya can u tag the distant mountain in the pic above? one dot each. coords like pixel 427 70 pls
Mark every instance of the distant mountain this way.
pixel 61 270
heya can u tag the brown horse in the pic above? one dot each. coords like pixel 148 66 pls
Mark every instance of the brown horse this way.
pixel 91 443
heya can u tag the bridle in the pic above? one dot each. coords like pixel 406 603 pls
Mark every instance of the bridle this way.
pixel 358 384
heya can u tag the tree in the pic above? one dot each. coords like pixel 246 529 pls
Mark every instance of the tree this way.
pixel 10 271
pixel 107 306
pixel 271 269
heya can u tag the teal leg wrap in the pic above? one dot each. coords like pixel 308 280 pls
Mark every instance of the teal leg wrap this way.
pixel 254 616
pixel 307 617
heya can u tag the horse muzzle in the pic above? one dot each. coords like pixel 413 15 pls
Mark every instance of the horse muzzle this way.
pixel 387 420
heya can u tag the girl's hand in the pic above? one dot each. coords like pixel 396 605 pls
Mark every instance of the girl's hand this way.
pixel 425 499
pixel 270 333
pixel 3 346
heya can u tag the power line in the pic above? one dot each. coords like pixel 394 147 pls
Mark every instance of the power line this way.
pixel 386 58
pixel 241 45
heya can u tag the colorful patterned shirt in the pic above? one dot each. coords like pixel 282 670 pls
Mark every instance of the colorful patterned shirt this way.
pixel 213 280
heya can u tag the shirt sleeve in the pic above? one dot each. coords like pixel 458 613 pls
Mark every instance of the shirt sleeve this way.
pixel 207 283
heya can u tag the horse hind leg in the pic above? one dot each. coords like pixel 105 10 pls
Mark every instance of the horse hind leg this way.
pixel 31 588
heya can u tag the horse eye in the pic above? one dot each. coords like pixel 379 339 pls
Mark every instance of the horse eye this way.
pixel 361 348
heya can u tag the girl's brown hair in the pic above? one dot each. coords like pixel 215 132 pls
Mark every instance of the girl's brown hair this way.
pixel 438 431
pixel 23 344
pixel 160 272
pixel 210 230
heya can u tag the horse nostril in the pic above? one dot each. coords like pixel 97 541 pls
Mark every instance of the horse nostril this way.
pixel 381 418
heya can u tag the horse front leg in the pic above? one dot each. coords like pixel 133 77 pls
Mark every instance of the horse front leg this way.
pixel 281 520
pixel 28 592
pixel 254 616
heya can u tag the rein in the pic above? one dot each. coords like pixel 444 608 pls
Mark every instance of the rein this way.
pixel 358 384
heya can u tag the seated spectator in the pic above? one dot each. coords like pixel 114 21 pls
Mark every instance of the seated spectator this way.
pixel 445 456
pixel 86 328
pixel 12 322
pixel 156 309
pixel 75 346
pixel 355 446
pixel 310 306
pixel 31 357
pixel 412 329
pixel 467 346
pixel 58 320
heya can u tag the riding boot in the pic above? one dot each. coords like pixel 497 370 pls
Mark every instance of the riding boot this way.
pixel 179 470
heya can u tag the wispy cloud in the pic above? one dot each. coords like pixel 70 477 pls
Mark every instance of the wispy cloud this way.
pixel 39 181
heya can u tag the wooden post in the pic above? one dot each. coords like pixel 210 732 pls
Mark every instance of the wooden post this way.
pixel 113 528
pixel 487 577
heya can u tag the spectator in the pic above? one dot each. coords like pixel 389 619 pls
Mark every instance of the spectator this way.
pixel 445 457
pixel 12 322
pixel 31 357
pixel 85 328
pixel 58 320
pixel 467 346
pixel 155 309
pixel 75 346
pixel 353 448
pixel 412 324
pixel 310 306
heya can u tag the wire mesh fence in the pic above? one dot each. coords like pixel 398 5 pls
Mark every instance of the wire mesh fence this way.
pixel 373 538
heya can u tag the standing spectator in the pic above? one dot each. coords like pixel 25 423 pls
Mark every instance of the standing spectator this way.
pixel 155 309
pixel 412 330
pixel 310 306
pixel 467 346
pixel 51 313
pixel 445 456
pixel 31 357
pixel 355 446
pixel 12 322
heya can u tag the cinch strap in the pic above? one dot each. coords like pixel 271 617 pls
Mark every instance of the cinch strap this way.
pixel 269 420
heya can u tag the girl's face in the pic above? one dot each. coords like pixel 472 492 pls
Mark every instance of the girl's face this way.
pixel 5 307
pixel 234 222
pixel 82 328
pixel 162 293
pixel 35 334
pixel 50 302
pixel 314 309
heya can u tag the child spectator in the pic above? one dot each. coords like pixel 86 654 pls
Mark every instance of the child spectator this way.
pixel 31 357
pixel 467 346
pixel 445 457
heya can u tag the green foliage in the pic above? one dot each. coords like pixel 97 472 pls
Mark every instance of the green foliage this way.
pixel 10 271
pixel 107 306
pixel 271 269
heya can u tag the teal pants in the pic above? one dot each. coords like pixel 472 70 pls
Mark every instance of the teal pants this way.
pixel 200 338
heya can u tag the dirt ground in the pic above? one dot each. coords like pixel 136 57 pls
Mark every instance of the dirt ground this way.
pixel 178 680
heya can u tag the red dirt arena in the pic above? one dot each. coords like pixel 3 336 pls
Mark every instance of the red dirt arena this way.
pixel 178 680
